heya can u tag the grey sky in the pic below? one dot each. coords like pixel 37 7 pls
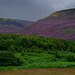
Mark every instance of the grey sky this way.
pixel 32 9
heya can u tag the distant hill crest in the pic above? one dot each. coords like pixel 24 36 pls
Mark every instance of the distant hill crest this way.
pixel 60 24
pixel 12 25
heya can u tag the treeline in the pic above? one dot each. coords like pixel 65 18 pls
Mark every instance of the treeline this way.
pixel 16 43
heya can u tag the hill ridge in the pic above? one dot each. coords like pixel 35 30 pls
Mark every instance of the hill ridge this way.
pixel 51 26
pixel 8 25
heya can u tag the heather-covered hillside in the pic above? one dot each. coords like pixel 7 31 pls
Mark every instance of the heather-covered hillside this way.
pixel 60 24
pixel 12 25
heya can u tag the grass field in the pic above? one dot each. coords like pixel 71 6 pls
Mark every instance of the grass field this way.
pixel 66 71
pixel 41 60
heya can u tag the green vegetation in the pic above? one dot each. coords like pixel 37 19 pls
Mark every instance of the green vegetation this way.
pixel 67 30
pixel 8 59
pixel 64 29
pixel 22 52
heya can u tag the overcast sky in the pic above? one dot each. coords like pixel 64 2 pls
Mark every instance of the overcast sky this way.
pixel 32 10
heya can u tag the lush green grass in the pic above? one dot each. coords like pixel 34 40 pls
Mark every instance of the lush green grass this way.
pixel 58 64
pixel 42 60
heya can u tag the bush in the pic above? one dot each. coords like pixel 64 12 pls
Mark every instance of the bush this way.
pixel 8 59
pixel 22 53
pixel 70 57
pixel 57 55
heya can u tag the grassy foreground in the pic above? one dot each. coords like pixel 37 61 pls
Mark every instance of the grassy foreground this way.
pixel 41 60
pixel 41 66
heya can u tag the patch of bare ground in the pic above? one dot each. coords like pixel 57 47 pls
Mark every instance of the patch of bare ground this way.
pixel 66 71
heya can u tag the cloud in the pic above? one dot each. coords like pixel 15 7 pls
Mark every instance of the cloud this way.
pixel 32 9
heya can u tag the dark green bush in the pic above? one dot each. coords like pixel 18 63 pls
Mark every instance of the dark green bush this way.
pixel 57 55
pixel 70 57
pixel 8 59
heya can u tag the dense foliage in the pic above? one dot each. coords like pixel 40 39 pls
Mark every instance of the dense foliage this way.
pixel 16 50
pixel 8 59
pixel 18 43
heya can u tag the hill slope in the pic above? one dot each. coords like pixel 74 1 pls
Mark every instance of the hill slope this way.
pixel 60 24
pixel 12 25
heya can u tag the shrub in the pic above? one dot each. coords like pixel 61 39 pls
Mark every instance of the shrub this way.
pixel 12 49
pixel 57 55
pixel 8 59
pixel 70 57
pixel 22 53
